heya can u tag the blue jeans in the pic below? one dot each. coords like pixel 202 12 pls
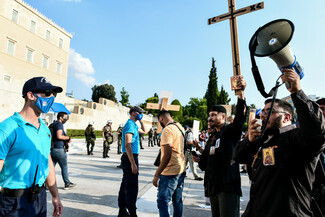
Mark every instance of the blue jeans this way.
pixel 170 188
pixel 59 155
pixel 22 206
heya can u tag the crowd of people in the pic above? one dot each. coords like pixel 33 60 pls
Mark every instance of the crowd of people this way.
pixel 285 161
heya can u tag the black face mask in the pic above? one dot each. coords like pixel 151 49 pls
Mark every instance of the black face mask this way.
pixel 64 120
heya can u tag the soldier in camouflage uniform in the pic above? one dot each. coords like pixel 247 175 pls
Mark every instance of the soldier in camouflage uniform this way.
pixel 119 138
pixel 107 137
pixel 90 137
pixel 155 137
pixel 150 137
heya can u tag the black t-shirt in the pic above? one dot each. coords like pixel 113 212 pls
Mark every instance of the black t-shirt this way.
pixel 57 142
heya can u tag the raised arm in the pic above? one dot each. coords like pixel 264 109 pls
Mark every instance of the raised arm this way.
pixel 142 130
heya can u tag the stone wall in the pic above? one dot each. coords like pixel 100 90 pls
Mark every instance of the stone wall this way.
pixel 83 112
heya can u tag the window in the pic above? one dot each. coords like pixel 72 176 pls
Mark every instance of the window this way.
pixel 14 16
pixel 7 78
pixel 48 35
pixel 32 26
pixel 58 67
pixel 45 62
pixel 29 55
pixel 60 43
pixel 11 47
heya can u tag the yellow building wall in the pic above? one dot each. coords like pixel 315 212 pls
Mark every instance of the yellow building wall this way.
pixel 20 70
pixel 17 66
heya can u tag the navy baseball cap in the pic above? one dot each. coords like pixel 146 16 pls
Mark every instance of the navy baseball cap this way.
pixel 137 109
pixel 40 84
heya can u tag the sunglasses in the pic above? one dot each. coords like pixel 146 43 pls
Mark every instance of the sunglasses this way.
pixel 46 92
pixel 266 111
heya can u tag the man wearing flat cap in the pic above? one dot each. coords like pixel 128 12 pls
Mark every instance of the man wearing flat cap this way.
pixel 129 161
pixel 221 172
pixel 25 160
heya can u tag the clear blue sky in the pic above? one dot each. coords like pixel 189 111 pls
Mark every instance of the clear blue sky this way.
pixel 148 46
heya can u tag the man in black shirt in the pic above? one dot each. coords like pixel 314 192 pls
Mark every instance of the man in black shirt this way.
pixel 283 187
pixel 221 172
pixel 58 152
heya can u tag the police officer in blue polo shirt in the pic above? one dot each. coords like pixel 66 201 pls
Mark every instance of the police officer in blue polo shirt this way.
pixel 130 148
pixel 25 161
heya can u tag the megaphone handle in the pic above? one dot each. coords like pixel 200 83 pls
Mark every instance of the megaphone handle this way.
pixel 288 86
pixel 238 92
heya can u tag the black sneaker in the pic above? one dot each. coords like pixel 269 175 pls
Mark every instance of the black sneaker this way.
pixel 198 179
pixel 69 186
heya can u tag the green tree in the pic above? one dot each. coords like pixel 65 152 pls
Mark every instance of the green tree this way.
pixel 105 91
pixel 177 115
pixel 252 106
pixel 188 121
pixel 191 109
pixel 203 116
pixel 153 99
pixel 196 110
pixel 233 109
pixel 124 97
pixel 223 97
pixel 212 93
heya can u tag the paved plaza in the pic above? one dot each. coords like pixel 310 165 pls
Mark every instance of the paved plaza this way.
pixel 98 181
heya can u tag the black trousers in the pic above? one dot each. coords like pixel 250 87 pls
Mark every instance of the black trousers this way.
pixel 90 146
pixel 119 145
pixel 150 142
pixel 225 204
pixel 129 187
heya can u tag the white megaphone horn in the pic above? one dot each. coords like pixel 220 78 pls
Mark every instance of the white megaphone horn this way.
pixel 272 40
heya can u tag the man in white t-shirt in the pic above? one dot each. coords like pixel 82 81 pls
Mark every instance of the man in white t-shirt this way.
pixel 188 152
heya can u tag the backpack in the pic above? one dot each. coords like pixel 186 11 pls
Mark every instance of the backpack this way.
pixel 51 127
pixel 89 132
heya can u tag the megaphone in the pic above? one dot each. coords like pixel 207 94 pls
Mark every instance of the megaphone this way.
pixel 272 40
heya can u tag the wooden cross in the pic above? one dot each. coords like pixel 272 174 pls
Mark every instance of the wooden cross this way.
pixel 163 106
pixel 231 15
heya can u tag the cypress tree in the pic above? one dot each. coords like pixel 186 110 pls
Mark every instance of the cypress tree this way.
pixel 212 93
pixel 223 97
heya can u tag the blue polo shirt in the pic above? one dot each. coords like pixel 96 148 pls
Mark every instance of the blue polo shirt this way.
pixel 23 147
pixel 131 127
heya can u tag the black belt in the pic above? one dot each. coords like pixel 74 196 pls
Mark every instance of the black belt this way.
pixel 127 154
pixel 17 192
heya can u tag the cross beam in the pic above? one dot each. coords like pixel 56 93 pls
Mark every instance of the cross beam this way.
pixel 163 106
pixel 231 15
